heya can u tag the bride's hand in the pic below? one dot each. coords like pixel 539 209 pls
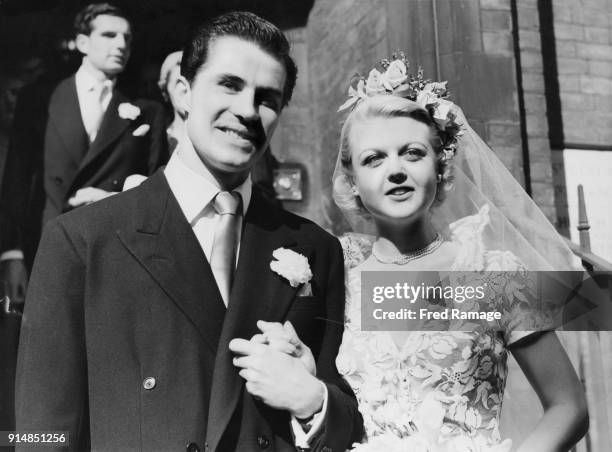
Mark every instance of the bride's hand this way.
pixel 273 334
pixel 284 338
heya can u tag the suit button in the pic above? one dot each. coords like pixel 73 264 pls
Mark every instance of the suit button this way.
pixel 326 449
pixel 58 180
pixel 263 442
pixel 149 383
pixel 193 447
pixel 115 182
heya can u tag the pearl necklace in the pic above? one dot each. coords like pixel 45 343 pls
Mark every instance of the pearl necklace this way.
pixel 402 259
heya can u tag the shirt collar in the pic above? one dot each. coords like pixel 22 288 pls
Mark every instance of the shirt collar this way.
pixel 193 190
pixel 86 81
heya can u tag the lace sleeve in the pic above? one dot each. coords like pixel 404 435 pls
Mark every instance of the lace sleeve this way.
pixel 516 297
pixel 356 247
pixel 511 288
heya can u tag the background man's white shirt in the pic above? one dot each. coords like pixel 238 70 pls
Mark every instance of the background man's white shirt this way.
pixel 88 89
pixel 88 96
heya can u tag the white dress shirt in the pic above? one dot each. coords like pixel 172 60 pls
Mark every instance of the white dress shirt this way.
pixel 88 88
pixel 195 188
pixel 195 194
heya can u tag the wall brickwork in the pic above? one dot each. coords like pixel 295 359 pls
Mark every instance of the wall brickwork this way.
pixel 342 37
pixel 477 55
pixel 583 32
pixel 294 138
pixel 496 107
pixel 534 100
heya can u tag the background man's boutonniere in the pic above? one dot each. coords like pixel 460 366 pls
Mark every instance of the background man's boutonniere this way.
pixel 292 266
pixel 128 111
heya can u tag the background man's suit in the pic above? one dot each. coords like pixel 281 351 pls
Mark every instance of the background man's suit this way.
pixel 39 180
pixel 144 333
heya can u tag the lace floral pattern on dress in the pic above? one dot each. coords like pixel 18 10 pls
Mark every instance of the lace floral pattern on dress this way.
pixel 439 391
pixel 356 248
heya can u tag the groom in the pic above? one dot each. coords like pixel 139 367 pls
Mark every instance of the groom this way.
pixel 134 300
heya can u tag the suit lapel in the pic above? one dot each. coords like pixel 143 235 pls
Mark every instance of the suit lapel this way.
pixel 257 294
pixel 111 128
pixel 163 242
pixel 65 114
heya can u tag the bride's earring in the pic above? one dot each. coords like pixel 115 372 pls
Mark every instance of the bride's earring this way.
pixel 354 190
pixel 439 177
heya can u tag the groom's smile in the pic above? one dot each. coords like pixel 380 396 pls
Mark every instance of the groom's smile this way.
pixel 243 137
pixel 233 106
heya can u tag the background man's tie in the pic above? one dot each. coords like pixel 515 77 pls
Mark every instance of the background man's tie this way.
pixel 223 255
pixel 101 91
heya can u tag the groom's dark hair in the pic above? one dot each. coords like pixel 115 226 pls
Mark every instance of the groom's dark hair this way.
pixel 243 25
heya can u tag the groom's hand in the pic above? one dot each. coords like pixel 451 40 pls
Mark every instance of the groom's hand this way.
pixel 281 381
pixel 284 338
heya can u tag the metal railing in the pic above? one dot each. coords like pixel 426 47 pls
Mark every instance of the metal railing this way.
pixel 593 349
pixel 590 261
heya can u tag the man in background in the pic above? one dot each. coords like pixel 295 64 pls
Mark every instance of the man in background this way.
pixel 94 137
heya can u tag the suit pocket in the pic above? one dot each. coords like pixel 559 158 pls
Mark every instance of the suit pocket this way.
pixel 141 130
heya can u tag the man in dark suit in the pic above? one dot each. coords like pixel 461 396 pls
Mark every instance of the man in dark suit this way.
pixel 134 300
pixel 76 145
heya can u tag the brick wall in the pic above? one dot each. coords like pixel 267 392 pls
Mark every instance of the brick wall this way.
pixel 534 100
pixel 294 138
pixel 494 111
pixel 477 56
pixel 345 36
pixel 341 38
pixel 583 32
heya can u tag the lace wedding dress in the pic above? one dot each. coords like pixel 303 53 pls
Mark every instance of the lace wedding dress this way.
pixel 438 391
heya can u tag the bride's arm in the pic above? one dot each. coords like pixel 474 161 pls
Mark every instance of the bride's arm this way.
pixel 551 374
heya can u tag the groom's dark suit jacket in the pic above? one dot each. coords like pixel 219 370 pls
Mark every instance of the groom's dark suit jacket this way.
pixel 125 335
pixel 50 157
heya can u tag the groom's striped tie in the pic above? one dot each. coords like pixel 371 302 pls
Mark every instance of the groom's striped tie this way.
pixel 223 254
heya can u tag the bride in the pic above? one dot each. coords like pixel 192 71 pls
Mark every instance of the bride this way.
pixel 412 172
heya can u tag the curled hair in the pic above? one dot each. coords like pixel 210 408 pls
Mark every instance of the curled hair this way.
pixel 386 106
pixel 84 18
pixel 243 25
pixel 171 61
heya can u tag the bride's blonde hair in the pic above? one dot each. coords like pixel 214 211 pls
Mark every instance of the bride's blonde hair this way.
pixel 384 106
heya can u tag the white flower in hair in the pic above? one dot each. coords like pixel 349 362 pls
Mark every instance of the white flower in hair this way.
pixel 430 99
pixel 391 77
pixel 355 93
pixel 375 83
pixel 448 154
pixel 396 74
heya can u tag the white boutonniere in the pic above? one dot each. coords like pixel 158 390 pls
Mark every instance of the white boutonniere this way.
pixel 128 111
pixel 292 266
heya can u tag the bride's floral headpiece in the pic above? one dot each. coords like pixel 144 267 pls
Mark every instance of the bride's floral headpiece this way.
pixel 393 79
